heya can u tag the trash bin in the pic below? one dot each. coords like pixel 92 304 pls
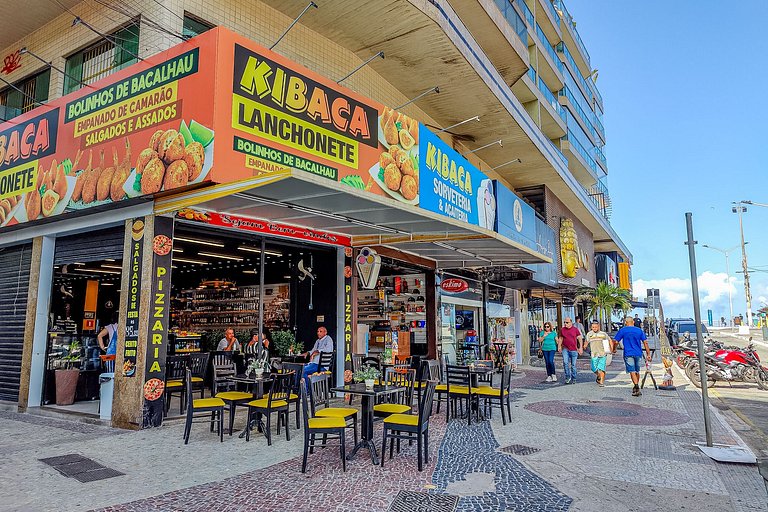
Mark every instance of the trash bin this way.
pixel 107 384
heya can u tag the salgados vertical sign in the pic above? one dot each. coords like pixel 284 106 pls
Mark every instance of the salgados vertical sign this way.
pixel 157 339
pixel 134 295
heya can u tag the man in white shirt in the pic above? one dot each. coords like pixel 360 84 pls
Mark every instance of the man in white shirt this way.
pixel 324 343
pixel 228 343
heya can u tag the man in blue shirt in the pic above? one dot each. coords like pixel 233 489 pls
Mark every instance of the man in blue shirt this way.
pixel 324 343
pixel 632 337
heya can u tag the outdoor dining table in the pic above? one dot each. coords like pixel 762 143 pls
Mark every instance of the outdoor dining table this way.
pixel 368 397
pixel 256 383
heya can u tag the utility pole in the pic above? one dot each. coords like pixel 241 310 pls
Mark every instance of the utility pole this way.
pixel 691 243
pixel 727 275
pixel 740 208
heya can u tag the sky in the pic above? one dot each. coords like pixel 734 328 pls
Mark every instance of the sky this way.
pixel 682 83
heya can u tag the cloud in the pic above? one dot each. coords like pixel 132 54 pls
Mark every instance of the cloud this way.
pixel 676 295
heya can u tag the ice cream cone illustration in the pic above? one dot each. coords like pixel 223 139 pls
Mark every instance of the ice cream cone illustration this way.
pixel 368 266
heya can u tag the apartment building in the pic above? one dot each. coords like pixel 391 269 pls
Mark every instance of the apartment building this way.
pixel 503 91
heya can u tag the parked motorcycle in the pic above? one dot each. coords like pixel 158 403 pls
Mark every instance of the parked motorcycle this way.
pixel 729 364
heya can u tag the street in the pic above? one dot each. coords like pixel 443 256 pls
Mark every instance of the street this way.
pixel 744 403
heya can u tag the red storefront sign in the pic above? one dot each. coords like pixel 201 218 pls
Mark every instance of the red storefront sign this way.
pixel 264 226
pixel 454 285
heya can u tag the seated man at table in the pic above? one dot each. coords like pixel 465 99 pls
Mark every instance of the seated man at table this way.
pixel 228 343
pixel 324 343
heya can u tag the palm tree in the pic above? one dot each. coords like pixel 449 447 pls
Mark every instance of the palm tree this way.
pixel 603 300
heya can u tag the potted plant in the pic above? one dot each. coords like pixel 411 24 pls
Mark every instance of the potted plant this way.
pixel 367 374
pixel 284 342
pixel 257 366
pixel 67 375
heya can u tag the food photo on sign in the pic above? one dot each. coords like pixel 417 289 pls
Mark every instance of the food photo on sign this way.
pixel 141 131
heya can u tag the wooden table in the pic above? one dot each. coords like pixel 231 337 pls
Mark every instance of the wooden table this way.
pixel 259 393
pixel 368 397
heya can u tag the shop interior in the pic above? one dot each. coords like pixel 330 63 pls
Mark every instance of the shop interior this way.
pixel 215 286
pixel 392 317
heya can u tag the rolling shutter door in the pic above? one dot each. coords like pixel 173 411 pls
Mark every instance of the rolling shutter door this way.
pixel 14 283
pixel 93 246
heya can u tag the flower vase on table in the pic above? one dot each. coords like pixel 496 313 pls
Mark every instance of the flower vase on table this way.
pixel 367 374
pixel 369 383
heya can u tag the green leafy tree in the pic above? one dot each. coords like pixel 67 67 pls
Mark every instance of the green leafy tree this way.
pixel 603 300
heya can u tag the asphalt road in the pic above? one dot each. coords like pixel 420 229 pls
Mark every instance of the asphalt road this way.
pixel 745 401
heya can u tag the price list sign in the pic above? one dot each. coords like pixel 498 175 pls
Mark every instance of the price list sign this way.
pixel 134 294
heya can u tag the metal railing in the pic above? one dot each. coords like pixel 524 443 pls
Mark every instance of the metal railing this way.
pixel 601 156
pixel 514 19
pixel 551 99
pixel 564 50
pixel 559 153
pixel 599 195
pixel 550 50
pixel 553 11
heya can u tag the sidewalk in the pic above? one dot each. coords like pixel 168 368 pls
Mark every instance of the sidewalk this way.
pixel 577 447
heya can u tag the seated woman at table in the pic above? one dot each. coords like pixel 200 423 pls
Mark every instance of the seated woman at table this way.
pixel 252 345
pixel 324 343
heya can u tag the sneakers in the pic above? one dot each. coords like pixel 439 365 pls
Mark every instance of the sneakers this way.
pixel 636 390
pixel 568 381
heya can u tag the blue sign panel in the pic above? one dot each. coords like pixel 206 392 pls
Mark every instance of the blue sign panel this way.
pixel 515 219
pixel 451 186
pixel 545 273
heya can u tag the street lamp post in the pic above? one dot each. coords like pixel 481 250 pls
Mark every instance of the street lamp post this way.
pixel 740 208
pixel 727 274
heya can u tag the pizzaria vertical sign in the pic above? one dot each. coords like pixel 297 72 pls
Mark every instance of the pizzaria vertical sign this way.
pixel 134 297
pixel 157 339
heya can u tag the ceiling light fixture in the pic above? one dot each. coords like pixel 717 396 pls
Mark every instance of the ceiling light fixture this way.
pixel 222 256
pixel 98 271
pixel 196 241
pixel 248 248
pixel 194 262
pixel 118 267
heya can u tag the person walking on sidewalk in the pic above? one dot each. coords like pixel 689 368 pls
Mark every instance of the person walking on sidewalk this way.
pixel 600 348
pixel 632 337
pixel 548 343
pixel 569 343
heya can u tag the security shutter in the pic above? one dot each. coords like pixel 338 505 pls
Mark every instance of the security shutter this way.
pixel 14 283
pixel 93 246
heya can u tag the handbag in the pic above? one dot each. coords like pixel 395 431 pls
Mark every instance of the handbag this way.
pixel 540 354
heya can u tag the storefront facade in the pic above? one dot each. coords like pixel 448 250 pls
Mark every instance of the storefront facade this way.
pixel 262 232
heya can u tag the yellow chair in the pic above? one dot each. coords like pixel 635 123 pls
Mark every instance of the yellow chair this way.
pixel 459 390
pixel 408 426
pixel 320 391
pixel 202 405
pixel 276 401
pixel 335 427
pixel 401 401
pixel 497 397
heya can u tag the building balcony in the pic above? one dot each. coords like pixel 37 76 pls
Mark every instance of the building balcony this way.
pixel 525 88
pixel 580 162
pixel 548 18
pixel 582 118
pixel 500 31
pixel 600 159
pixel 550 66
pixel 553 120
pixel 599 195
pixel 572 38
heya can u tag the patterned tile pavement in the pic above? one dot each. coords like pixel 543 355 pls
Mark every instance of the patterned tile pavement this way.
pixel 612 412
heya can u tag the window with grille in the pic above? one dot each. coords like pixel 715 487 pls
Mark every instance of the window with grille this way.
pixel 31 91
pixel 102 58
pixel 194 26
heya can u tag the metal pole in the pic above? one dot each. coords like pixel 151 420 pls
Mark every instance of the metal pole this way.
pixel 697 317
pixel 261 298
pixel 744 268
pixel 730 295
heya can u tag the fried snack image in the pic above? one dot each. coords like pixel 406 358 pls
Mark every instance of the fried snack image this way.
pixel 176 175
pixel 407 168
pixel 14 200
pixel 413 129
pixel 2 216
pixel 104 183
pixel 409 187
pixel 122 171
pixel 92 181
pixel 406 140
pixel 32 203
pixel 78 156
pixel 392 177
pixel 5 206
pixel 171 146
pixel 398 155
pixel 152 176
pixel 194 157
pixel 48 179
pixel 144 158
pixel 390 131
pixel 385 159
pixel 386 115
pixel 78 192
pixel 59 180
pixel 154 141
pixel 48 202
